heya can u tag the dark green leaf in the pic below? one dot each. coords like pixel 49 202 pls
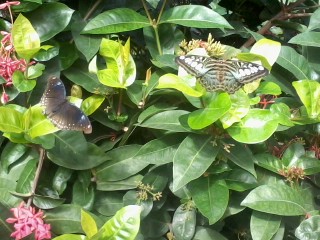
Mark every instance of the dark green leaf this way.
pixel 116 20
pixel 194 16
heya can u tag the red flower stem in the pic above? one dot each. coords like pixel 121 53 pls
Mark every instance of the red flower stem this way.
pixel 37 175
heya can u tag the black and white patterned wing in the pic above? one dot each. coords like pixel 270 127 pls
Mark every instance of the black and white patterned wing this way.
pixel 226 75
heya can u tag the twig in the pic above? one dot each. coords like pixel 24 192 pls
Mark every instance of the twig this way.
pixel 280 16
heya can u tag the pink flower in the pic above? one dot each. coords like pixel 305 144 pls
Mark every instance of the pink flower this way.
pixel 27 221
pixel 4 98
pixel 8 4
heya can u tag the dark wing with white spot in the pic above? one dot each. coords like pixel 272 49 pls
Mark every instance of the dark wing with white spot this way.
pixel 61 112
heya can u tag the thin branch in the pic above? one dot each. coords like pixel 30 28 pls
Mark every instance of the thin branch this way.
pixel 95 5
pixel 280 16
pixel 37 175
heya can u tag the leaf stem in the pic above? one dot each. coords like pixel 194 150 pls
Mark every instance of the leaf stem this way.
pixel 37 175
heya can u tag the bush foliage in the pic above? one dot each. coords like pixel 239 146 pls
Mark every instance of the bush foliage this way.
pixel 166 158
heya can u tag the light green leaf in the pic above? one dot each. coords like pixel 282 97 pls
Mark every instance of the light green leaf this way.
pixel 257 126
pixel 91 104
pixel 173 81
pixel 268 48
pixel 204 117
pixel 88 224
pixel 25 39
pixel 124 225
pixel 309 93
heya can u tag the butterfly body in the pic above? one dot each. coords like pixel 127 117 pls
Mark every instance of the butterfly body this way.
pixel 60 111
pixel 216 74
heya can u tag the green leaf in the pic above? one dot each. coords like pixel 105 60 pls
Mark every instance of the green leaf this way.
pixel 121 71
pixel 11 153
pixel 158 151
pixel 241 155
pixel 267 48
pixel 207 233
pixel 295 63
pixel 269 162
pixel 210 196
pixel 26 179
pixel 308 228
pixel 70 237
pixel 173 81
pixel 21 83
pixel 88 224
pixel 122 161
pixel 263 226
pixel 108 203
pixel 188 161
pixel 240 105
pixel 59 14
pixel 269 88
pixel 91 104
pixel 65 219
pixel 194 16
pixel 116 20
pixel 124 225
pixel 38 123
pixel 10 120
pixel 184 223
pixel 314 22
pixel 240 180
pixel 204 117
pixel 311 39
pixel 25 39
pixel 309 93
pixel 257 126
pixel 83 195
pixel 279 199
pixel 72 151
pixel 125 184
pixel 61 178
pixel 283 113
pixel 88 45
pixel 167 120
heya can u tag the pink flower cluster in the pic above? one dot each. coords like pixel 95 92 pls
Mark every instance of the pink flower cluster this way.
pixel 9 62
pixel 27 221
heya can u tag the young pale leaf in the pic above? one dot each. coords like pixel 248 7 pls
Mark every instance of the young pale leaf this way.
pixel 25 38
pixel 309 93
pixel 204 117
pixel 257 126
pixel 124 225
pixel 88 224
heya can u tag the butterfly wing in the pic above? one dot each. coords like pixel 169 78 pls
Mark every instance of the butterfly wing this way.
pixel 70 117
pixel 226 75
pixel 53 96
pixel 62 113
